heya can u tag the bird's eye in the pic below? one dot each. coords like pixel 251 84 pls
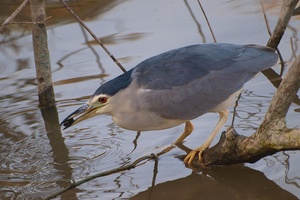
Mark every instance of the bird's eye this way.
pixel 102 99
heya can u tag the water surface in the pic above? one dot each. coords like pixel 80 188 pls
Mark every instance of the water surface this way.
pixel 37 158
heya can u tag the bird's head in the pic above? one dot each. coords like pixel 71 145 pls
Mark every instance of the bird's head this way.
pixel 96 105
pixel 99 102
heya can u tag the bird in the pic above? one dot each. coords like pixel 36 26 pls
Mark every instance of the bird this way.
pixel 177 86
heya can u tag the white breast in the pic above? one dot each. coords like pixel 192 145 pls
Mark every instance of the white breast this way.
pixel 132 112
pixel 228 102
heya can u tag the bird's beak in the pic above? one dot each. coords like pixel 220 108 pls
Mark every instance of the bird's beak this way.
pixel 84 112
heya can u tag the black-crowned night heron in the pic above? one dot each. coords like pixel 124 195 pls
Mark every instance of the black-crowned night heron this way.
pixel 177 86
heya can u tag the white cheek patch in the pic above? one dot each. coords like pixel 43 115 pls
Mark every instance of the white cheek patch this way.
pixel 93 101
pixel 98 111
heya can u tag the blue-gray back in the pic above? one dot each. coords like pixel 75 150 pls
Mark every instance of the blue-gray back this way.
pixel 188 82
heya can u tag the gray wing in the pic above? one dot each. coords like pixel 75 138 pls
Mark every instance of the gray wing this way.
pixel 187 82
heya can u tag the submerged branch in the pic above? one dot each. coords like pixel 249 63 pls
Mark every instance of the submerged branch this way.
pixel 101 174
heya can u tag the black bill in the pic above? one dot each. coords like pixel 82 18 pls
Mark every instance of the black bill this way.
pixel 82 113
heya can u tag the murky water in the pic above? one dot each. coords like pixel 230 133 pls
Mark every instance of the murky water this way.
pixel 37 158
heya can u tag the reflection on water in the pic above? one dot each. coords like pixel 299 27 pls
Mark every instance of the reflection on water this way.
pixel 86 9
pixel 218 183
pixel 250 110
pixel 37 158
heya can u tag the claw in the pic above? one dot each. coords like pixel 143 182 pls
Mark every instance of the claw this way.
pixel 190 157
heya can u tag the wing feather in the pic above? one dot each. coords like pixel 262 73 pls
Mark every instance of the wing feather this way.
pixel 188 82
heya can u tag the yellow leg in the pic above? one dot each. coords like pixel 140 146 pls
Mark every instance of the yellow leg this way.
pixel 187 131
pixel 223 118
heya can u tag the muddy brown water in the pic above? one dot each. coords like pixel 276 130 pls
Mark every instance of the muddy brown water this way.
pixel 37 158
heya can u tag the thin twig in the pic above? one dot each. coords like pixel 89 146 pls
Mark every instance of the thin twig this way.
pixel 270 33
pixel 282 23
pixel 42 22
pixel 109 172
pixel 155 172
pixel 207 21
pixel 59 62
pixel 293 49
pixel 98 60
pixel 135 141
pixel 14 14
pixel 294 42
pixel 196 21
pixel 235 108
pixel 265 17
pixel 93 35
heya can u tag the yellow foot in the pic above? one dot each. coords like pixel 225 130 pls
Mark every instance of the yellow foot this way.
pixel 189 158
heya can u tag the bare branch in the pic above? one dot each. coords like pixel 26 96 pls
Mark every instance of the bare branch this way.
pixel 234 148
pixel 284 18
pixel 207 21
pixel 101 174
pixel 93 35
pixel 196 21
pixel 286 13
pixel 283 97
pixel 270 33
pixel 14 14
pixel 28 22
pixel 265 17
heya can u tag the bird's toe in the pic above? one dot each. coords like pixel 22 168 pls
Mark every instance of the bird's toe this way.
pixel 190 157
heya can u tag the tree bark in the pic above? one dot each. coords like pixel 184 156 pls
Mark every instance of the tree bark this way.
pixel 288 7
pixel 41 54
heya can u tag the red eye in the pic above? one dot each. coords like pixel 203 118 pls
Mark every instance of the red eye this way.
pixel 102 99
